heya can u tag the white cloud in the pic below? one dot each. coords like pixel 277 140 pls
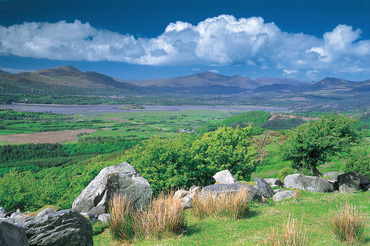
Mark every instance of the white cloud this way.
pixel 221 40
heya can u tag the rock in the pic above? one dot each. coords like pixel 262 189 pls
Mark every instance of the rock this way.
pixel 283 195
pixel 216 189
pixel 363 180
pixel 264 188
pixel 19 218
pixel 66 227
pixel 274 182
pixel 225 177
pixel 366 187
pixel 180 194
pixel 12 235
pixel 195 189
pixel 46 211
pixel 187 201
pixel 332 176
pixel 122 178
pixel 2 212
pixel 349 182
pixel 89 216
pixel 277 190
pixel 309 183
pixel 104 218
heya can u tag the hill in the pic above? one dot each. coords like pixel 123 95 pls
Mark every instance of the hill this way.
pixel 64 80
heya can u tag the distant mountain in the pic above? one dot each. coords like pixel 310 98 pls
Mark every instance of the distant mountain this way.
pixel 65 80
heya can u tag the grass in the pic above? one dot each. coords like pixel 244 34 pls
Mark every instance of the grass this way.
pixel 163 217
pixel 293 234
pixel 348 224
pixel 233 206
pixel 310 208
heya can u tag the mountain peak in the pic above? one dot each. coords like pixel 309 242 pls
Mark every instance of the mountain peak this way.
pixel 56 71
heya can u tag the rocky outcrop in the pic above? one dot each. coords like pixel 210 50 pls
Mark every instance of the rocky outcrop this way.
pixel 123 179
pixel 308 183
pixel 224 177
pixel 264 188
pixel 284 194
pixel 12 235
pixel 349 182
pixel 66 227
pixel 274 182
pixel 216 189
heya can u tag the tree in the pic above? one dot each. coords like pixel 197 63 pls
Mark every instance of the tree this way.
pixel 312 143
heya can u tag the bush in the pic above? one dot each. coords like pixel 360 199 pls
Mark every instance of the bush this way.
pixel 359 161
pixel 285 172
pixel 229 205
pixel 348 224
pixel 293 234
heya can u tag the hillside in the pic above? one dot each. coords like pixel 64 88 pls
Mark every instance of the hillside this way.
pixel 65 80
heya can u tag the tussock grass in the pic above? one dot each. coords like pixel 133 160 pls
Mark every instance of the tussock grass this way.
pixel 230 205
pixel 348 224
pixel 293 234
pixel 163 217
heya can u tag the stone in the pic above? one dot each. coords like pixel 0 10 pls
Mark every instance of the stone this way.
pixel 274 182
pixel 349 182
pixel 264 188
pixel 216 189
pixel 195 189
pixel 46 211
pixel 123 179
pixel 308 183
pixel 89 216
pixel 277 190
pixel 12 235
pixel 104 218
pixel 283 195
pixel 366 187
pixel 180 194
pixel 187 201
pixel 225 177
pixel 65 227
pixel 2 212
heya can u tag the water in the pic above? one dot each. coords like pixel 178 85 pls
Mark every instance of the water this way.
pixel 98 109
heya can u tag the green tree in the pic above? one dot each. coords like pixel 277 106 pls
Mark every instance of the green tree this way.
pixel 312 143
pixel 358 161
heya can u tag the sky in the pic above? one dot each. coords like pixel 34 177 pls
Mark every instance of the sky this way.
pixel 144 39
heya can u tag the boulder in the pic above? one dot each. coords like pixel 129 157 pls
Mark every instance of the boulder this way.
pixel 225 177
pixel 283 195
pixel 180 194
pixel 89 216
pixel 264 188
pixel 104 218
pixel 366 187
pixel 216 189
pixel 274 182
pixel 349 182
pixel 12 235
pixel 122 178
pixel 308 183
pixel 66 227
pixel 2 212
pixel 46 211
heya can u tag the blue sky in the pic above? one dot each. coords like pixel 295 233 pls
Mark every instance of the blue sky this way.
pixel 143 39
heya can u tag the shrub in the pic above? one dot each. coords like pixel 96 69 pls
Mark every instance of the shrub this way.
pixel 293 234
pixel 230 205
pixel 99 227
pixel 348 224
pixel 285 172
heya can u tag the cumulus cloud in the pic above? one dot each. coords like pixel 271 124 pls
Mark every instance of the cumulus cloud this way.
pixel 221 40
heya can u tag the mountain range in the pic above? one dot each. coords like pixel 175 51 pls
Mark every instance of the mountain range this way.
pixel 68 80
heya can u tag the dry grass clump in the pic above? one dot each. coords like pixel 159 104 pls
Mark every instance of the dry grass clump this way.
pixel 230 205
pixel 163 217
pixel 348 224
pixel 293 234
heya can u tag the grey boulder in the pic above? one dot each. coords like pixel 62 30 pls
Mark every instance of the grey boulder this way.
pixel 217 189
pixel 12 235
pixel 2 212
pixel 66 227
pixel 104 218
pixel 264 188
pixel 225 177
pixel 123 179
pixel 274 182
pixel 308 183
pixel 349 182
pixel 283 195
pixel 44 212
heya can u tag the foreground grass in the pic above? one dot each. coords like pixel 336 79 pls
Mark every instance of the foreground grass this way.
pixel 313 209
